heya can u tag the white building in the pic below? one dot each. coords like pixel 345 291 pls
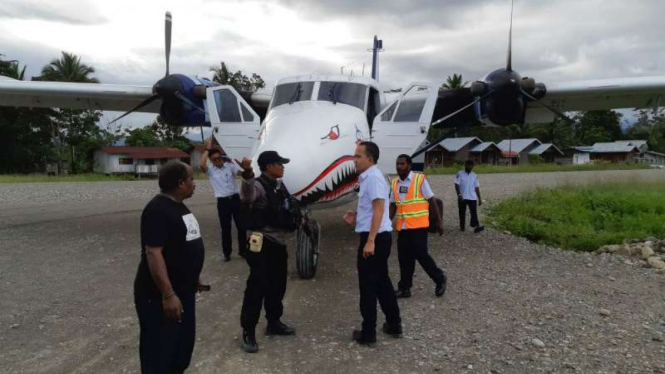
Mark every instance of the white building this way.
pixel 135 160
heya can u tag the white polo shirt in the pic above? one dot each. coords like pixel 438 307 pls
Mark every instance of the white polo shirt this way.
pixel 467 182
pixel 373 186
pixel 403 188
pixel 223 179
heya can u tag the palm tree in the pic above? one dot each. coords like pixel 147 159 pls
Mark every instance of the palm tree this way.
pixel 220 74
pixel 454 82
pixel 68 69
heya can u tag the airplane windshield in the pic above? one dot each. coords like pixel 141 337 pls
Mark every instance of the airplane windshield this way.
pixel 345 93
pixel 290 93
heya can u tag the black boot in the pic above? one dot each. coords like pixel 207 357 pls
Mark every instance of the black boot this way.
pixel 394 331
pixel 403 294
pixel 249 342
pixel 364 339
pixel 440 288
pixel 278 328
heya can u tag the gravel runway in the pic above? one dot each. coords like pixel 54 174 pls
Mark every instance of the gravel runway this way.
pixel 69 251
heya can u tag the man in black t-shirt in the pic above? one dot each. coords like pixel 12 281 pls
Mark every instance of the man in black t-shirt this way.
pixel 167 279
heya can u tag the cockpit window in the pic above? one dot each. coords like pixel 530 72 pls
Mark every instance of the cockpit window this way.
pixel 290 93
pixel 345 93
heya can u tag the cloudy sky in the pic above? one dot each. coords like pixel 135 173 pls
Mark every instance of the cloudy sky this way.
pixel 424 40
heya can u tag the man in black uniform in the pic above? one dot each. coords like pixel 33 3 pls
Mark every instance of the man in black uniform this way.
pixel 168 275
pixel 270 213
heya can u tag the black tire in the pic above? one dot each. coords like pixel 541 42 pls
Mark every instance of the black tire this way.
pixel 307 250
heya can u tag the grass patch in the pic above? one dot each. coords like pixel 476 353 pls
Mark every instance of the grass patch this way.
pixel 535 168
pixel 17 178
pixel 585 218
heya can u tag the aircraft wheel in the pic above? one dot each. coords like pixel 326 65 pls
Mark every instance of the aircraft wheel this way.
pixel 307 249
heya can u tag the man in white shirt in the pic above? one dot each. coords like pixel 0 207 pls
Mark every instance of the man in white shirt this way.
pixel 468 194
pixel 222 174
pixel 373 224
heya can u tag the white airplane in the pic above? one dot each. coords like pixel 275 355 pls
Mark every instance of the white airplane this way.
pixel 317 120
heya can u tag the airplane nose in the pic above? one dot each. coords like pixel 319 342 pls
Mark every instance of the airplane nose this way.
pixel 319 139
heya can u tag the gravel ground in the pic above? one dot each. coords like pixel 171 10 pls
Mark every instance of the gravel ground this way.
pixel 68 253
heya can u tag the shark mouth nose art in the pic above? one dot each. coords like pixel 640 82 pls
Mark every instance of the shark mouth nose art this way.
pixel 337 180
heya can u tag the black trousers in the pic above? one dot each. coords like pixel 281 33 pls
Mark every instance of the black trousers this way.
pixel 412 247
pixel 374 281
pixel 473 209
pixel 165 346
pixel 266 285
pixel 229 208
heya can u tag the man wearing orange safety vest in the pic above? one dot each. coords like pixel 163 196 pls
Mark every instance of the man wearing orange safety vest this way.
pixel 410 200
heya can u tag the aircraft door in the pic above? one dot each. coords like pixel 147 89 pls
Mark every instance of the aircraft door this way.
pixel 235 125
pixel 403 125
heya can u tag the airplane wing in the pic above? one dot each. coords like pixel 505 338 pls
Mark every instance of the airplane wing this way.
pixel 74 95
pixel 619 93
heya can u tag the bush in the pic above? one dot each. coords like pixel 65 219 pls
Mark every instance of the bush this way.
pixel 585 218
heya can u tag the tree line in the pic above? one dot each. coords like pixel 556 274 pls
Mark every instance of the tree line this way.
pixel 32 138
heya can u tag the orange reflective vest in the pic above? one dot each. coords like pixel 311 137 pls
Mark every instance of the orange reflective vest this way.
pixel 414 209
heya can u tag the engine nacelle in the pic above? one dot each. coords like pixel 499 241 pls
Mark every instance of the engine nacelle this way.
pixel 179 93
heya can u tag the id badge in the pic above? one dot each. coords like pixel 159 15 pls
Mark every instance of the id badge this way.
pixel 256 242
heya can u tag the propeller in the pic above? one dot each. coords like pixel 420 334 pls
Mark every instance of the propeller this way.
pixel 168 20
pixel 453 114
pixel 509 58
pixel 550 108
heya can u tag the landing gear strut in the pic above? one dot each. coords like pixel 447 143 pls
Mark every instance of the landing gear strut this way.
pixel 307 247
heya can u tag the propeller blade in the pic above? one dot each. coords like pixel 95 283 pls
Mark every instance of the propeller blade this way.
pixel 139 106
pixel 550 108
pixel 453 114
pixel 185 100
pixel 509 58
pixel 167 39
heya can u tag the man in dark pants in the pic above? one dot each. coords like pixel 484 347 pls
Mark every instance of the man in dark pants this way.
pixel 222 175
pixel 468 194
pixel 411 197
pixel 375 229
pixel 267 210
pixel 168 275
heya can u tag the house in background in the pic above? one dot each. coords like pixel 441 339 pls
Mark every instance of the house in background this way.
pixel 135 160
pixel 451 151
pixel 548 152
pixel 485 153
pixel 516 151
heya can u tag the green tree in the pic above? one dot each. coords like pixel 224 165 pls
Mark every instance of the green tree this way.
pixel 158 134
pixel 142 137
pixel 597 126
pixel 25 134
pixel 74 126
pixel 453 82
pixel 650 126
pixel 237 79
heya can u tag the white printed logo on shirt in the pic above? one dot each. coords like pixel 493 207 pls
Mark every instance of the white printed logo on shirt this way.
pixel 193 231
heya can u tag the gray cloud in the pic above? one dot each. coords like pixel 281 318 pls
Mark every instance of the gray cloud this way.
pixel 71 11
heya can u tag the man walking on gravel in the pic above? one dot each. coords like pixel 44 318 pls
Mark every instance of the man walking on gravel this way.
pixel 373 224
pixel 410 201
pixel 468 194
pixel 222 174
pixel 168 275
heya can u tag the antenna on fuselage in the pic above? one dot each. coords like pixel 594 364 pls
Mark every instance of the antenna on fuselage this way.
pixel 376 48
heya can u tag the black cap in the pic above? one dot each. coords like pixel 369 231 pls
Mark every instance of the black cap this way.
pixel 271 157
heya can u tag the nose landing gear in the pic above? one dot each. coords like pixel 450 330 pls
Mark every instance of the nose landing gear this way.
pixel 307 247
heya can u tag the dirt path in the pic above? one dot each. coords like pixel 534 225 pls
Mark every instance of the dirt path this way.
pixel 67 267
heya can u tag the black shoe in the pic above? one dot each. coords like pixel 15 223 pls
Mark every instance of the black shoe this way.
pixel 227 258
pixel 461 229
pixel 394 331
pixel 278 328
pixel 479 229
pixel 242 254
pixel 440 288
pixel 403 294
pixel 364 339
pixel 249 342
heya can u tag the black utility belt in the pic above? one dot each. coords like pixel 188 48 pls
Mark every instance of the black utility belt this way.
pixel 234 196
